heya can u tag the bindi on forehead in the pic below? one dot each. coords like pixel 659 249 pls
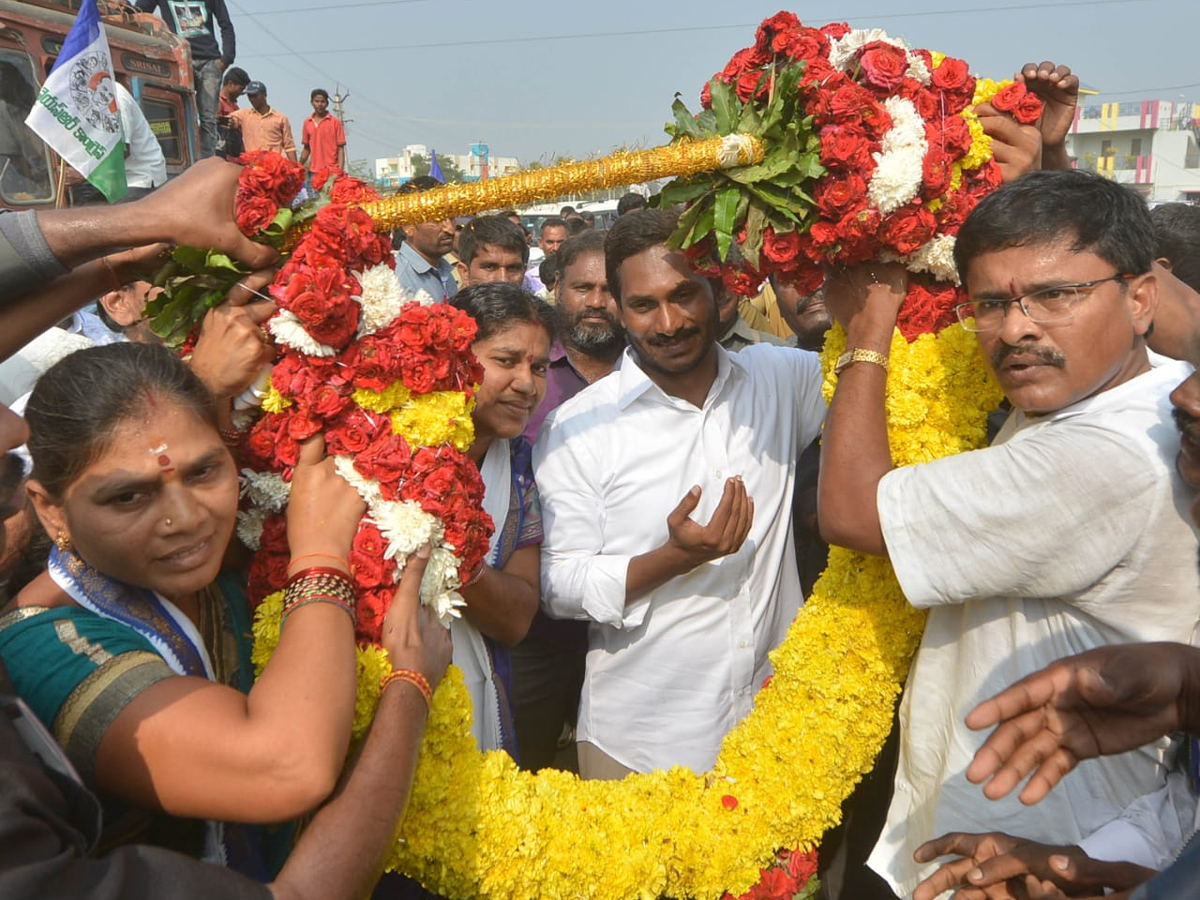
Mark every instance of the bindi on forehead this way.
pixel 162 457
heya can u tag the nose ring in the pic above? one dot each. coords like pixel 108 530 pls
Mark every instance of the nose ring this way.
pixel 168 521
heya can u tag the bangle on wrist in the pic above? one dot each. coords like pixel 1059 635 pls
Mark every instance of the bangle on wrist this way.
pixel 477 574
pixel 413 677
pixel 859 355
pixel 331 556
pixel 114 282
pixel 320 585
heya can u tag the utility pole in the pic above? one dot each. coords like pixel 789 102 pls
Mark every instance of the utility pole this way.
pixel 338 99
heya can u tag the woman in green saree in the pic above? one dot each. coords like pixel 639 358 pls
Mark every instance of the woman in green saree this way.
pixel 133 648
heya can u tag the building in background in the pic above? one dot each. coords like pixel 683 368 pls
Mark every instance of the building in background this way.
pixel 476 165
pixel 1153 145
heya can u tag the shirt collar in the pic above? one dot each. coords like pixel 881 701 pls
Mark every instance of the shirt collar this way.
pixel 740 329
pixel 635 382
pixel 419 263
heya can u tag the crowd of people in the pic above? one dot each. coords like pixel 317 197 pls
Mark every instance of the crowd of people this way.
pixel 663 474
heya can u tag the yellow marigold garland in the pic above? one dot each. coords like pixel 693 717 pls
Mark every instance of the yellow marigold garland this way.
pixel 477 826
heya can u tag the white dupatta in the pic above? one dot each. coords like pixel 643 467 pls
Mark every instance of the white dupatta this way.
pixel 470 653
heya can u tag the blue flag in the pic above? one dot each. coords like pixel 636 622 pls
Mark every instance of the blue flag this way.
pixel 435 170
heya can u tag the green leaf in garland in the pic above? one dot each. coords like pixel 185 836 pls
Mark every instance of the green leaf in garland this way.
pixel 725 216
pixel 725 104
pixel 215 260
pixel 685 125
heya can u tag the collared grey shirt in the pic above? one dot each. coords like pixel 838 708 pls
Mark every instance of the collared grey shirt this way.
pixel 416 274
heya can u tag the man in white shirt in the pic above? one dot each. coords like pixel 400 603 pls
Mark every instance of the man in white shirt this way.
pixel 682 614
pixel 1070 532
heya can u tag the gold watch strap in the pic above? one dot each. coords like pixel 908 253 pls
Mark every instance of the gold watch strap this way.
pixel 859 355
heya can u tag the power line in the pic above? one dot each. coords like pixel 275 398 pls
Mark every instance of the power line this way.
pixel 699 28
pixel 339 6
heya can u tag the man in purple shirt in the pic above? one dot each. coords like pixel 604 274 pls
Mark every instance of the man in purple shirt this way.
pixel 548 665
pixel 590 337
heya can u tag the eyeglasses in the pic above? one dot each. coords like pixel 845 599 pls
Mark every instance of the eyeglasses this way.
pixel 1052 304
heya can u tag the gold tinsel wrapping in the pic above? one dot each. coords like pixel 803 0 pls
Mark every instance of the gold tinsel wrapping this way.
pixel 680 160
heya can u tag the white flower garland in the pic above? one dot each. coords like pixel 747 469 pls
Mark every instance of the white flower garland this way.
pixel 381 300
pixel 286 328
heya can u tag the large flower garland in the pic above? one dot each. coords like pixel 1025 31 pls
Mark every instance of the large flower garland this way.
pixel 357 365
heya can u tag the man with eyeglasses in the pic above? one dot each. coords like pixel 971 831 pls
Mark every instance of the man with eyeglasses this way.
pixel 1070 532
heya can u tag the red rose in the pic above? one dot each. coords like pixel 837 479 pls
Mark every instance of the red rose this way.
pixel 818 72
pixel 883 65
pixel 770 28
pixel 353 434
pixel 369 570
pixel 824 236
pixel 352 190
pixel 859 236
pixel 1028 110
pixel 846 147
pixel 706 93
pixel 802 43
pixel 302 427
pixel 953 75
pixel 935 173
pixel 385 459
pixel 328 402
pixel 260 443
pixel 927 309
pixel 1007 98
pixel 781 248
pixel 850 103
pixel 254 213
pixel 751 84
pixel 908 229
pixel 953 137
pixel 371 608
pixel 928 103
pixel 837 196
pixel 743 61
pixel 836 30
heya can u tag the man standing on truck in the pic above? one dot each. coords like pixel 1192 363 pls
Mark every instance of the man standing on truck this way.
pixel 193 19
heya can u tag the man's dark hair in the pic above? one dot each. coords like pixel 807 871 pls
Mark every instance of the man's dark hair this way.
pixel 548 270
pixel 552 222
pixel 567 211
pixel 1177 234
pixel 1093 214
pixel 588 216
pixel 494 231
pixel 629 203
pixel 576 225
pixel 572 248
pixel 496 306
pixel 319 92
pixel 418 184
pixel 631 235
pixel 236 75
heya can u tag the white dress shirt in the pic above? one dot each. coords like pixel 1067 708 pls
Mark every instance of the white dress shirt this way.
pixel 671 672
pixel 145 166
pixel 1070 532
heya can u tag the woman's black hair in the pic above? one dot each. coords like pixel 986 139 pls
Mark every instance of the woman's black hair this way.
pixel 496 306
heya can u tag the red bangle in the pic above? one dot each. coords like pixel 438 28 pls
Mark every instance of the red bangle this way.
pixel 412 677
pixel 333 556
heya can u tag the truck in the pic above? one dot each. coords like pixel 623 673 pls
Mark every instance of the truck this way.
pixel 157 66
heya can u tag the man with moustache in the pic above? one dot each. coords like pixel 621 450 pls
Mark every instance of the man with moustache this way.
pixel 684 598
pixel 548 665
pixel 421 263
pixel 805 314
pixel 1069 532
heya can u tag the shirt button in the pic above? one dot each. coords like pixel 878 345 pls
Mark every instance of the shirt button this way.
pixel 742 645
pixel 717 472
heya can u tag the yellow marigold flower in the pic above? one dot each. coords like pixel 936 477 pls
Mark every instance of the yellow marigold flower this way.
pixel 441 417
pixel 391 397
pixel 937 56
pixel 275 402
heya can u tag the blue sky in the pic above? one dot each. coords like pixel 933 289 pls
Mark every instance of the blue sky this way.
pixel 534 78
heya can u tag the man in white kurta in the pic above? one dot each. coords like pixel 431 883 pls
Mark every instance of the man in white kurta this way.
pixel 1070 532
pixel 672 668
